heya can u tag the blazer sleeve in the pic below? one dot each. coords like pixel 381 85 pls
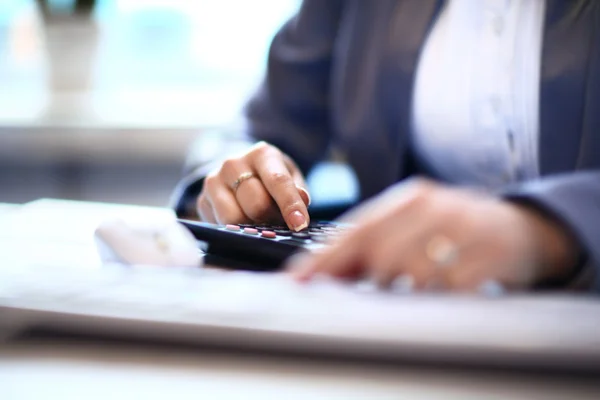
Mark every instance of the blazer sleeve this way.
pixel 291 108
pixel 573 199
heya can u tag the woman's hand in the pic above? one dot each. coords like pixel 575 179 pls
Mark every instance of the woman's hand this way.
pixel 444 238
pixel 262 185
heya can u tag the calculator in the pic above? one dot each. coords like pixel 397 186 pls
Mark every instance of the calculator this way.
pixel 265 245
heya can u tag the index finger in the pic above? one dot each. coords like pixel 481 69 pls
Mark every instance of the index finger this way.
pixel 278 181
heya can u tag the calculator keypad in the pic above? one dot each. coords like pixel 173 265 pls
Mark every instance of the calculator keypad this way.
pixel 319 232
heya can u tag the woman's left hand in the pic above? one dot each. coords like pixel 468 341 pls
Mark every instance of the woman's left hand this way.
pixel 444 238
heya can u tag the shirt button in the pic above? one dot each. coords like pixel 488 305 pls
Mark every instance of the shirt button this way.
pixel 510 136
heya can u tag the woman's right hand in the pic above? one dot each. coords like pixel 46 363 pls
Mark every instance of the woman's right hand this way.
pixel 262 185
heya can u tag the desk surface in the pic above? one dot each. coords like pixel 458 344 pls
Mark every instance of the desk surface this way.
pixel 5 207
pixel 51 369
pixel 46 368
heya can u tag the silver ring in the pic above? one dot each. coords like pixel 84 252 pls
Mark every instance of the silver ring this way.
pixel 241 179
pixel 442 251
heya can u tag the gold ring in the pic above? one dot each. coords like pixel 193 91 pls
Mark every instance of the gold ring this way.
pixel 241 179
pixel 442 251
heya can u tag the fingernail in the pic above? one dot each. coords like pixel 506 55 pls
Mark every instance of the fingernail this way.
pixel 297 220
pixel 306 194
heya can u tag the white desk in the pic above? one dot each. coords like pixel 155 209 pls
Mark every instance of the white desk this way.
pixel 52 369
pixel 5 207
pixel 59 370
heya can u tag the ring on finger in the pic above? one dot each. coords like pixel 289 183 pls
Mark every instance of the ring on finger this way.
pixel 241 179
pixel 442 251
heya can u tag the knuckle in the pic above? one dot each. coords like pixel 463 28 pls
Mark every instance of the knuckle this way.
pixel 261 145
pixel 422 187
pixel 280 179
pixel 422 193
pixel 444 210
pixel 263 148
pixel 210 182
pixel 229 164
pixel 419 180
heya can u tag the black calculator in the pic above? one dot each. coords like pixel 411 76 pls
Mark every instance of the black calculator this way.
pixel 267 246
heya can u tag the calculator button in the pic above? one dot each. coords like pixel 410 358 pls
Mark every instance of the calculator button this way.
pixel 232 227
pixel 283 232
pixel 300 235
pixel 268 234
pixel 251 231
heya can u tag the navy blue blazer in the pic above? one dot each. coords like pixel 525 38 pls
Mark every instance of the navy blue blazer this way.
pixel 341 73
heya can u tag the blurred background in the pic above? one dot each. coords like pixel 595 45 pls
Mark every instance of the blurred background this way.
pixel 101 100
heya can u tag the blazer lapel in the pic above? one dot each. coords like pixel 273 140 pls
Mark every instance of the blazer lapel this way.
pixel 565 58
pixel 397 31
pixel 410 23
pixel 589 153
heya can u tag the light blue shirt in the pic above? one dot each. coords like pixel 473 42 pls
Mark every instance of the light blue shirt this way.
pixel 476 99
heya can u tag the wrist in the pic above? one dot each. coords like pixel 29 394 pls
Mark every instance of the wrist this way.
pixel 556 252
